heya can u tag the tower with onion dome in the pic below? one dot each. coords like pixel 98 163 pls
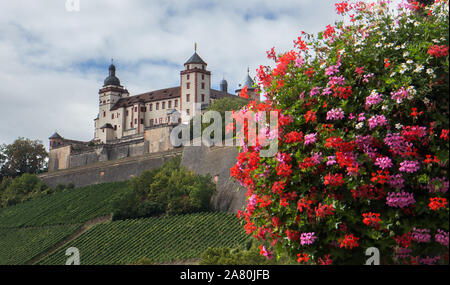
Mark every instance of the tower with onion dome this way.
pixel 109 94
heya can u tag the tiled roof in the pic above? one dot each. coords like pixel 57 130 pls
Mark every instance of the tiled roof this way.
pixel 195 58
pixel 55 136
pixel 163 94
pixel 157 95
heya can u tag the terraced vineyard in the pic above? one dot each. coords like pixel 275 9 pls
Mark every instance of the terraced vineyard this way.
pixel 161 239
pixel 74 206
pixel 19 245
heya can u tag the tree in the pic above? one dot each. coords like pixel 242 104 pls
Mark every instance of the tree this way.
pixel 23 156
pixel 227 104
pixel 363 141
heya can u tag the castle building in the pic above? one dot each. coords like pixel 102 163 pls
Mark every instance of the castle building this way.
pixel 142 123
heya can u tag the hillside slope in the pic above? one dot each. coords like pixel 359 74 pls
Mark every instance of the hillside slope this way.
pixel 160 239
pixel 71 206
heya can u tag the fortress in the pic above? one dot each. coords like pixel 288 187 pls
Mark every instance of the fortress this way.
pixel 130 126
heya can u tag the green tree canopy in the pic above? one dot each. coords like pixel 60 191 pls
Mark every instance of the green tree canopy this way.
pixel 23 156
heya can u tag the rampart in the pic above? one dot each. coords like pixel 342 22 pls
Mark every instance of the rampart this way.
pixel 215 161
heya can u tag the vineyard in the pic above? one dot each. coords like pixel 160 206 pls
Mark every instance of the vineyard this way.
pixel 71 206
pixel 160 239
pixel 19 245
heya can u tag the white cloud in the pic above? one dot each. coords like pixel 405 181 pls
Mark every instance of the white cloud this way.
pixel 53 62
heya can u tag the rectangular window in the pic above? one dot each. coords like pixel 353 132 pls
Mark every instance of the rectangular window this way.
pixel 163 105
pixel 151 122
pixel 160 120
pixel 131 125
pixel 112 116
pixel 143 109
pixel 169 104
pixel 157 106
pixel 126 113
pixel 188 85
pixel 203 85
pixel 187 77
pixel 142 121
pixel 135 109
pixel 135 121
pixel 115 127
pixel 187 111
pixel 203 97
pixel 104 114
pixel 203 76
pixel 176 103
pixel 188 97
pixel 150 107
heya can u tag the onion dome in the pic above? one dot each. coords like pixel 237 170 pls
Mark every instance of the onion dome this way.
pixel 112 79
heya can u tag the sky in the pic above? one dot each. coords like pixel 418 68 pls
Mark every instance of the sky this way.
pixel 53 58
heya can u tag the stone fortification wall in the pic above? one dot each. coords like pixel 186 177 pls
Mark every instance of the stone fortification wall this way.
pixel 217 161
pixel 108 171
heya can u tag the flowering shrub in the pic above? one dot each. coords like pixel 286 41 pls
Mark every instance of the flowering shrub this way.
pixel 363 140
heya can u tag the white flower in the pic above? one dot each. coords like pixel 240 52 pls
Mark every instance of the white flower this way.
pixel 426 101
pixel 403 68
pixel 378 45
pixel 358 50
pixel 384 107
pixel 359 125
pixel 409 61
pixel 436 41
pixel 411 90
pixel 390 45
pixel 393 74
pixel 405 54
pixel 398 126
pixel 416 24
pixel 419 68
pixel 430 71
pixel 403 45
pixel 397 47
pixel 383 38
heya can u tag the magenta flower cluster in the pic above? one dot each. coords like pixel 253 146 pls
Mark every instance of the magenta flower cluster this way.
pixel 401 252
pixel 335 114
pixel 429 260
pixel 377 120
pixel 314 91
pixel 331 160
pixel 310 139
pixel 409 166
pixel 332 69
pixel 399 95
pixel 441 237
pixel 421 235
pixel 383 162
pixel 397 143
pixel 400 199
pixel 373 98
pixel 396 181
pixel 307 238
